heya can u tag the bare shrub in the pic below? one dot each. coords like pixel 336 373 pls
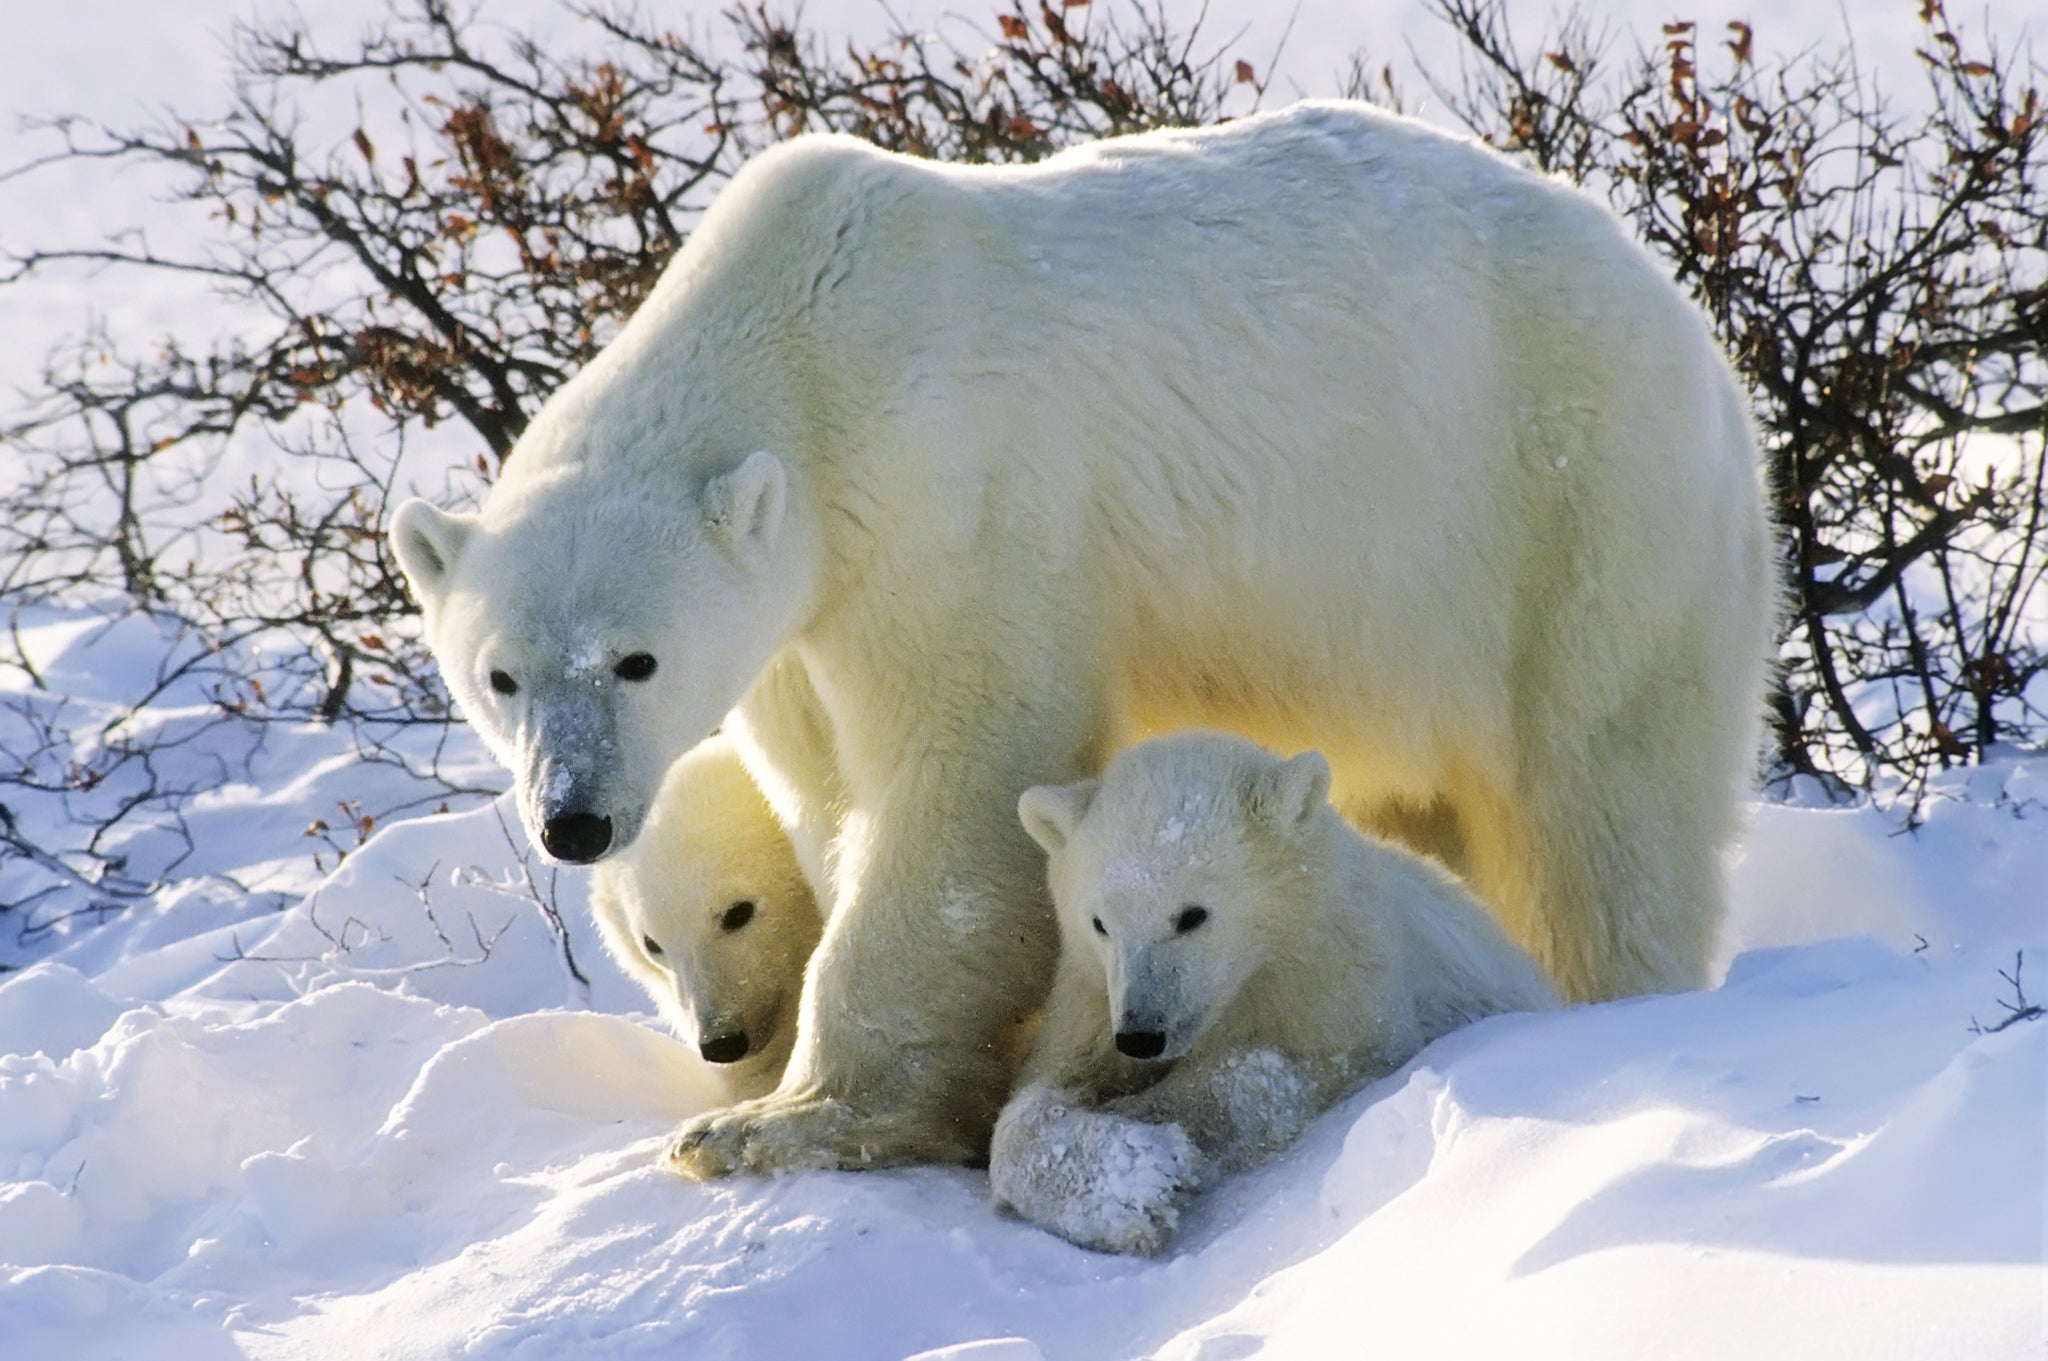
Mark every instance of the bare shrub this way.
pixel 1881 278
pixel 422 269
pixel 421 234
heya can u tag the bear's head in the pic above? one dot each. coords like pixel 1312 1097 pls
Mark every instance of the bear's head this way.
pixel 709 912
pixel 1178 873
pixel 593 633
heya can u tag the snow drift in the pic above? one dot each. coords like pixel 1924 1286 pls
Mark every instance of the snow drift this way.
pixel 392 1120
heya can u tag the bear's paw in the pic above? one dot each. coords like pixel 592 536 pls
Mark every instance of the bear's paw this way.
pixel 791 1132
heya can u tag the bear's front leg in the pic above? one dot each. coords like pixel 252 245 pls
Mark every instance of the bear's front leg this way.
pixel 789 1131
pixel 1098 1180
pixel 939 948
pixel 908 1038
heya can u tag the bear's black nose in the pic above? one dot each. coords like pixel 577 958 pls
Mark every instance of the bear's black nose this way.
pixel 730 1048
pixel 578 838
pixel 1141 1044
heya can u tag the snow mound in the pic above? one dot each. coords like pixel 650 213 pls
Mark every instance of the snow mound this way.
pixel 391 1121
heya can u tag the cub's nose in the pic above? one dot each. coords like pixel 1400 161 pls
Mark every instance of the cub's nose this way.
pixel 1141 1044
pixel 728 1048
pixel 578 838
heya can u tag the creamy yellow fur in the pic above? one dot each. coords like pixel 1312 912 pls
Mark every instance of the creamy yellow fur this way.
pixel 1320 426
pixel 711 842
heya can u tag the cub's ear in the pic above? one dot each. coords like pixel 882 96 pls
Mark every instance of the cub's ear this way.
pixel 744 507
pixel 427 541
pixel 1291 793
pixel 1050 811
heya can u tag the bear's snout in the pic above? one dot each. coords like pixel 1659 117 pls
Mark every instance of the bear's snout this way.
pixel 730 1047
pixel 1140 1044
pixel 577 838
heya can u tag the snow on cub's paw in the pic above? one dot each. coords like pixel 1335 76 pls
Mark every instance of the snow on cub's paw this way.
pixel 1268 1101
pixel 1097 1180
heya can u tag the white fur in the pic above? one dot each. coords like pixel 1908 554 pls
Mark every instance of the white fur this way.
pixel 1207 892
pixel 665 908
pixel 1321 427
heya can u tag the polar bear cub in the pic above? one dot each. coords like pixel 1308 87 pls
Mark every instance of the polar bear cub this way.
pixel 1235 958
pixel 710 913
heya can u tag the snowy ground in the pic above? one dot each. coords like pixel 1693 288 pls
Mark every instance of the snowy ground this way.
pixel 278 1111
pixel 388 1121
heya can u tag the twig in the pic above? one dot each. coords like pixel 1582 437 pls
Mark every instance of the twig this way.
pixel 2017 1010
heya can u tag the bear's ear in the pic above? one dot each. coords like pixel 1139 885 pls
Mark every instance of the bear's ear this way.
pixel 1050 811
pixel 427 541
pixel 1292 792
pixel 744 507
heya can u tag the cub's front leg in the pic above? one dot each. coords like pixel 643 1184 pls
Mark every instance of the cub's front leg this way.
pixel 1097 1179
pixel 1115 1176
pixel 1240 1107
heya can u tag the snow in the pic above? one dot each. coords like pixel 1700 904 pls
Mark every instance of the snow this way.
pixel 404 1105
pixel 388 1119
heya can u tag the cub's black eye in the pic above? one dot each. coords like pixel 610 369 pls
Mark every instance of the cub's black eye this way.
pixel 736 916
pixel 651 947
pixel 502 682
pixel 1100 929
pixel 635 666
pixel 1190 917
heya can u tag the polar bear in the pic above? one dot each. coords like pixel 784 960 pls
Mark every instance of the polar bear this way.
pixel 1235 958
pixel 932 483
pixel 709 911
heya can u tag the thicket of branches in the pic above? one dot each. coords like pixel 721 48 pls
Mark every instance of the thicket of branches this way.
pixel 425 232
pixel 1881 277
pixel 418 236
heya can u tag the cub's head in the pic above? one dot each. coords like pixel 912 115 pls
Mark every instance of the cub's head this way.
pixel 593 636
pixel 708 911
pixel 1175 874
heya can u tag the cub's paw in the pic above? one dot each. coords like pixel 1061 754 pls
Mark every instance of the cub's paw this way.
pixel 1098 1180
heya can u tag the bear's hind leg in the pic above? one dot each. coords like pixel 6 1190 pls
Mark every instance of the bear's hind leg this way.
pixel 1608 868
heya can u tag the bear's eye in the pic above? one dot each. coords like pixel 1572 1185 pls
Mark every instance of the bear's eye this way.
pixel 1100 929
pixel 502 682
pixel 1190 917
pixel 652 948
pixel 635 666
pixel 736 916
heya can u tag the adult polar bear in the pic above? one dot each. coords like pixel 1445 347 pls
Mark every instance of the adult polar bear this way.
pixel 934 483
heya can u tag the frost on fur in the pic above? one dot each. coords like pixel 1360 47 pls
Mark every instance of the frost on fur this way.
pixel 1265 1099
pixel 1096 1179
